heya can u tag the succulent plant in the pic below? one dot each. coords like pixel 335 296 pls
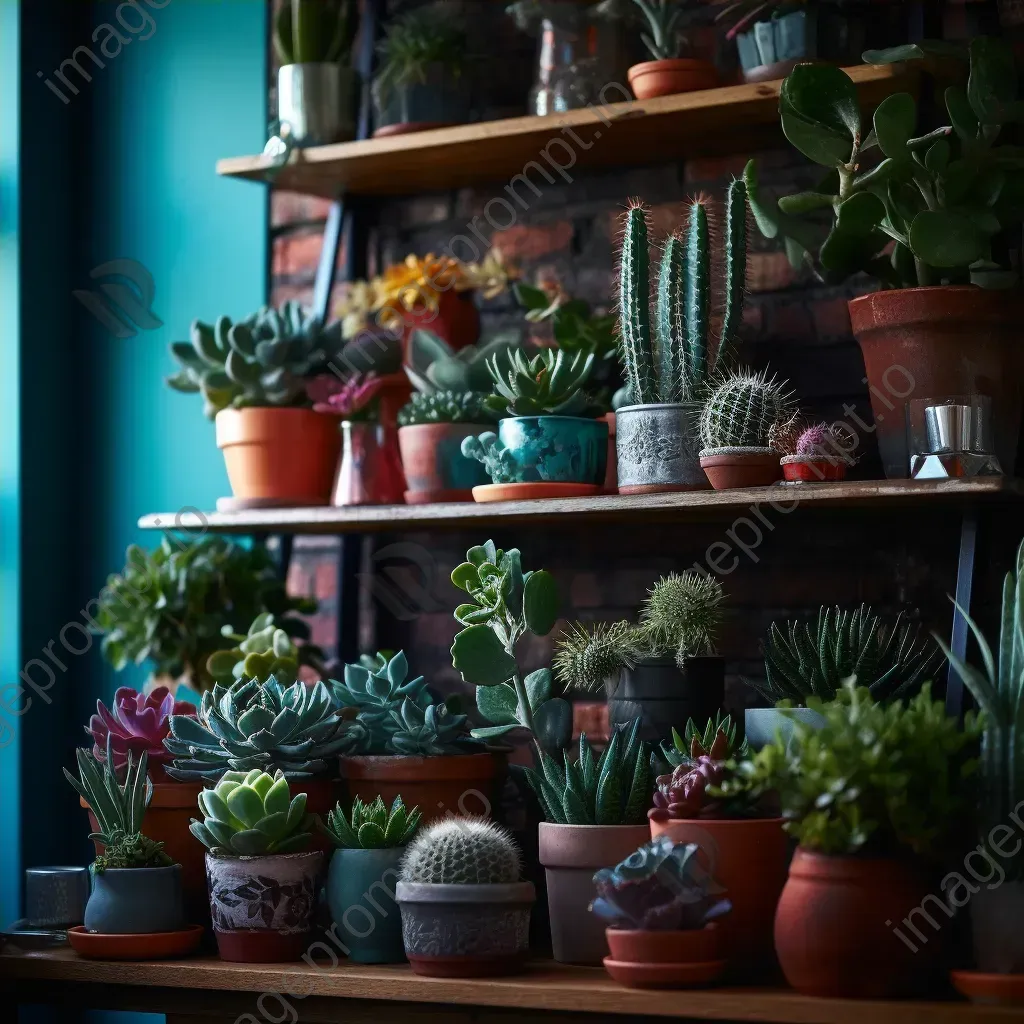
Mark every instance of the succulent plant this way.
pixel 351 397
pixel 462 851
pixel 675 363
pixel 742 410
pixel 372 826
pixel 684 793
pixel 429 731
pixel 264 360
pixel 315 31
pixel 435 367
pixel 666 22
pixel 681 615
pixel 267 726
pixel 446 407
pixel 265 651
pixel 660 887
pixel 550 383
pixel 718 742
pixel 589 656
pixel 806 659
pixel 253 814
pixel 501 464
pixel 611 790
pixel 136 723
pixel 829 442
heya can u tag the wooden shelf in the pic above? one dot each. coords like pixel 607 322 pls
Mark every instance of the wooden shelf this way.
pixel 543 987
pixel 732 119
pixel 604 508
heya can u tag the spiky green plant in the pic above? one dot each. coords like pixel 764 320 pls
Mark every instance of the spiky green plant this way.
pixel 675 363
pixel 717 741
pixel 430 731
pixel 667 20
pixel 806 659
pixel 413 42
pixel 447 407
pixel 550 383
pixel 266 650
pixel 588 656
pixel 742 410
pixel 462 851
pixel 681 615
pixel 315 31
pixel 372 826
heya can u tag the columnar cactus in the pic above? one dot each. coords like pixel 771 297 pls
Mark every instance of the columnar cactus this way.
pixel 462 851
pixel 742 410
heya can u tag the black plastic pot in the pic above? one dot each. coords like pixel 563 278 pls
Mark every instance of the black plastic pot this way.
pixel 663 695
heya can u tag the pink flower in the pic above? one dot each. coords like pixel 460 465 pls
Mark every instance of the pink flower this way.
pixel 345 398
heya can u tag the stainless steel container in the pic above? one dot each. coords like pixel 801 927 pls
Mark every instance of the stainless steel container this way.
pixel 55 897
pixel 315 103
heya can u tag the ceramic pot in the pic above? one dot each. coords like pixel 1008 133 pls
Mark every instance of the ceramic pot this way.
pixel 133 901
pixel 361 896
pixel 864 958
pixel 656 449
pixel 749 858
pixel 760 725
pixel 436 100
pixel 466 931
pixel 570 854
pixel 435 468
pixel 998 939
pixel 728 468
pixel 665 959
pixel 801 469
pixel 262 907
pixel 665 696
pixel 667 77
pixel 556 449
pixel 370 470
pixel 279 456
pixel 56 897
pixel 530 492
pixel 316 103
pixel 461 784
pixel 933 342
pixel 776 43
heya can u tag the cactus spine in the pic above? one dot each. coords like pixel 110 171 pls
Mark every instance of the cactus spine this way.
pixel 698 289
pixel 742 410
pixel 462 851
pixel 635 319
pixel 735 270
pixel 671 322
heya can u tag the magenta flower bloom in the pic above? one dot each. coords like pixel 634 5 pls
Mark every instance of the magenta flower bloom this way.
pixel 345 398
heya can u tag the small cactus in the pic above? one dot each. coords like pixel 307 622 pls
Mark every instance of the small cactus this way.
pixel 462 851
pixel 682 613
pixel 586 657
pixel 742 410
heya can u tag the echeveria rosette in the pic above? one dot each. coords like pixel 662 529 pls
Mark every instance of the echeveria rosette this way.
pixel 662 886
pixel 694 790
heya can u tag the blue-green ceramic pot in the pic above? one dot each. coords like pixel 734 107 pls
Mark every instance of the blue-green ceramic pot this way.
pixel 556 449
pixel 132 901
pixel 360 894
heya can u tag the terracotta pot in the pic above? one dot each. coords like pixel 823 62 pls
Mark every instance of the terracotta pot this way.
pixel 285 456
pixel 832 933
pixel 539 489
pixel 741 469
pixel 671 959
pixel 666 77
pixel 934 342
pixel 435 468
pixel 370 469
pixel 464 784
pixel 570 854
pixel 749 858
pixel 800 469
pixel 456 319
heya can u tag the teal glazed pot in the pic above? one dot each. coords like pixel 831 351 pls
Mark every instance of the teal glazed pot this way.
pixel 134 901
pixel 361 897
pixel 556 449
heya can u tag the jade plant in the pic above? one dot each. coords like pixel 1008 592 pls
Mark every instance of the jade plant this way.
pixel 550 383
pixel 941 199
pixel 675 361
pixel 743 412
pixel 718 742
pixel 315 31
pixel 265 651
pixel 462 851
pixel 372 826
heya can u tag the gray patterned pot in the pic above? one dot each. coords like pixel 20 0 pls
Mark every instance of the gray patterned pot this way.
pixel 656 447
pixel 465 931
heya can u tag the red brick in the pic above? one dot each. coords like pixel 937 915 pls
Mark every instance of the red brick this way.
pixel 790 320
pixel 714 168
pixel 293 208
pixel 769 272
pixel 831 318
pixel 591 718
pixel 296 255
pixel 531 241
pixel 281 293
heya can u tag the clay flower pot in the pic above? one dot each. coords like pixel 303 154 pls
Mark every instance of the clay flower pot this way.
pixel 666 77
pixel 831 931
pixel 279 456
pixel 435 468
pixel 804 469
pixel 728 468
pixel 665 959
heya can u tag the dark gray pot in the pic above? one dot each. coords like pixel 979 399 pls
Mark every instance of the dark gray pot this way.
pixel 132 901
pixel 663 695
pixel 996 913
pixel 761 724
pixel 657 448
pixel 440 99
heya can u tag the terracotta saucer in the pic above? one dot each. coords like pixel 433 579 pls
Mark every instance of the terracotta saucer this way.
pixel 634 975
pixel 1002 989
pixel 541 489
pixel 149 946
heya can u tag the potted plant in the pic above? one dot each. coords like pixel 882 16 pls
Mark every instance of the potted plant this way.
pixel 947 284
pixel 872 821
pixel 551 444
pixel 668 72
pixel 818 453
pixel 316 84
pixel 804 659
pixel 660 671
pixel 738 425
pixel 718 740
pixel 136 886
pixel 266 651
pixel 668 371
pixel 252 376
pixel 402 742
pixel 465 912
pixel 660 907
pixel 420 83
pixel 263 881
pixel 370 845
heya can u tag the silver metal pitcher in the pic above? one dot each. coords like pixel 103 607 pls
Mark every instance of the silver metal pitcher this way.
pixel 315 103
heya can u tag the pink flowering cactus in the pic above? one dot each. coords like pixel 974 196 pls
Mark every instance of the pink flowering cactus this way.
pixel 136 722
pixel 833 442
pixel 347 398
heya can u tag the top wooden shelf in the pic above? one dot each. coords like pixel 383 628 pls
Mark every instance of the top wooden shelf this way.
pixel 732 119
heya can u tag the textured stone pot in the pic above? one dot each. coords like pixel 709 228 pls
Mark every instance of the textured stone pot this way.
pixel 728 468
pixel 466 931
pixel 761 724
pixel 665 696
pixel 934 342
pixel 996 915
pixel 556 449
pixel 657 449
pixel 361 896
pixel 570 854
pixel 134 901
pixel 435 468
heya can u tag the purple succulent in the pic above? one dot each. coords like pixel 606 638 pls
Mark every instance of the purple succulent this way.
pixel 683 794
pixel 345 398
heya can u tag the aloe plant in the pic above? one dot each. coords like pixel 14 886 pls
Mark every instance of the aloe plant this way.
pixel 550 383
pixel 372 826
pixel 315 31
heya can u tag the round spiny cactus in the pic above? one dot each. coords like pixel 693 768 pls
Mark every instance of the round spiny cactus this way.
pixel 742 410
pixel 587 656
pixel 682 613
pixel 462 851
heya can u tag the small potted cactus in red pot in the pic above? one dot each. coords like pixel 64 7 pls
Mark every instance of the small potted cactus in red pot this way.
pixel 819 453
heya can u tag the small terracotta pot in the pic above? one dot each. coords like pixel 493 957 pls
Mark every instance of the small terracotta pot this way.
pixel 798 468
pixel 285 456
pixel 832 930
pixel 749 858
pixel 750 469
pixel 462 784
pixel 666 77
pixel 671 959
pixel 539 489
pixel 435 468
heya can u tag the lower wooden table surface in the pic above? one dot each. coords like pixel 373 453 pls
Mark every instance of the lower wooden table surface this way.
pixel 206 990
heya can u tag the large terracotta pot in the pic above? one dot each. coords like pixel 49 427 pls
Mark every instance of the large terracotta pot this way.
pixel 279 456
pixel 749 858
pixel 842 927
pixel 462 784
pixel 435 468
pixel 934 342
pixel 570 854
pixel 667 77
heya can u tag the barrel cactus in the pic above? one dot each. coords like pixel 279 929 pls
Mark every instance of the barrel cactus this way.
pixel 741 412
pixel 462 851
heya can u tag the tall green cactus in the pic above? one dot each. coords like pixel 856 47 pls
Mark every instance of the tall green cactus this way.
pixel 735 270
pixel 698 297
pixel 671 321
pixel 634 309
